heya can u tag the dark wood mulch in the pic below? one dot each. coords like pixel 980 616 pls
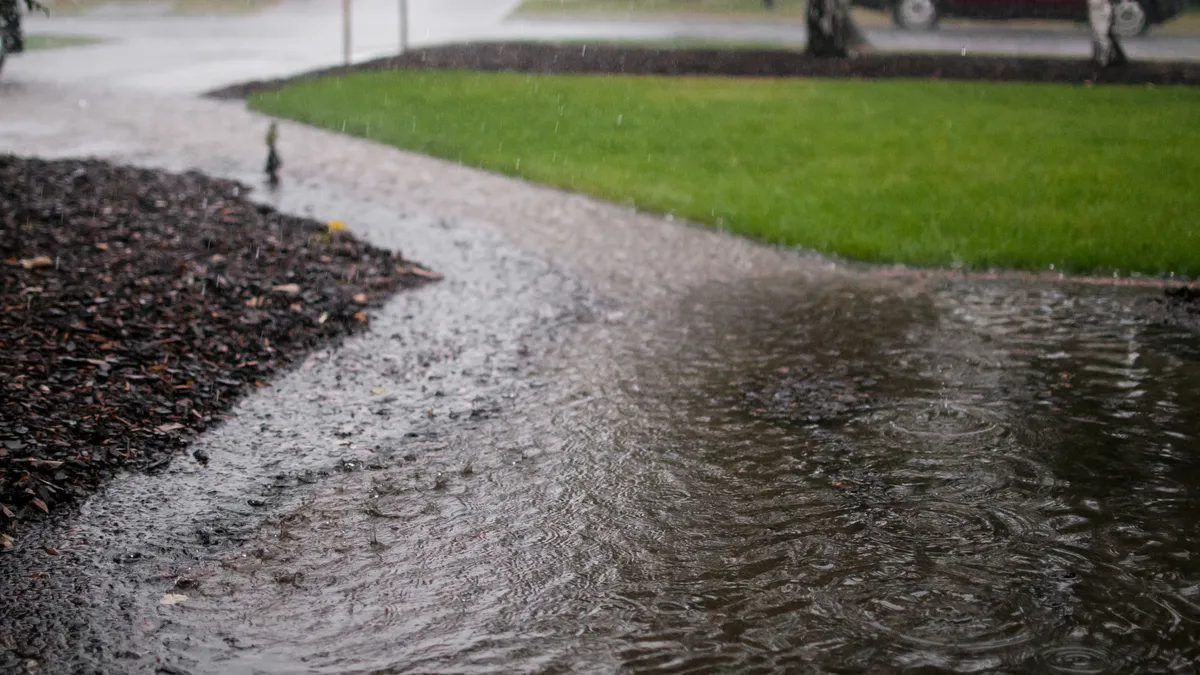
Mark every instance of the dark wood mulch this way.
pixel 601 58
pixel 136 306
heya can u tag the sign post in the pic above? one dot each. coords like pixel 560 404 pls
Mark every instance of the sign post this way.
pixel 346 31
pixel 403 26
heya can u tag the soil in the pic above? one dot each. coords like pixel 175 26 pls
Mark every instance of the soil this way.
pixel 601 58
pixel 137 306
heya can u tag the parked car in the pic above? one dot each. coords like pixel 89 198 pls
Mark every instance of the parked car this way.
pixel 1133 17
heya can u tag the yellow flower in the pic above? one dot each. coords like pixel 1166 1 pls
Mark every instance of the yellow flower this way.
pixel 336 226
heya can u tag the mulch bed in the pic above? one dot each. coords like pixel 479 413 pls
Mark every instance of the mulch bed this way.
pixel 601 58
pixel 136 306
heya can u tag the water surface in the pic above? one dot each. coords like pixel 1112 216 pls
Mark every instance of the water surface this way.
pixel 840 477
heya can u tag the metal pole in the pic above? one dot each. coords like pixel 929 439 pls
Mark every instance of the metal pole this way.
pixel 346 31
pixel 403 26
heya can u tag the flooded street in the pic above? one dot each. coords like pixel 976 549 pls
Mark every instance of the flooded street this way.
pixel 857 477
pixel 611 442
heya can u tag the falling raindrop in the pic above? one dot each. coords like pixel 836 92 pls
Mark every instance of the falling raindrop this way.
pixel 619 118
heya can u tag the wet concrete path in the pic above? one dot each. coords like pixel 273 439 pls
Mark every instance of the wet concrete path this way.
pixel 610 441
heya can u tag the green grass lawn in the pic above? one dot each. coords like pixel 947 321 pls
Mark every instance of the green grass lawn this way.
pixel 927 173
pixel 786 11
pixel 791 11
pixel 688 43
pixel 749 8
pixel 53 41
pixel 1186 24
pixel 173 6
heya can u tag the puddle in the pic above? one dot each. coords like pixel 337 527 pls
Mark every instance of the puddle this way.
pixel 1010 487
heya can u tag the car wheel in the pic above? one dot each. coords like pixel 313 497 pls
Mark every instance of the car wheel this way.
pixel 1129 18
pixel 916 14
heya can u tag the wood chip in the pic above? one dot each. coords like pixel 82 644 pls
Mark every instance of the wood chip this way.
pixel 36 262
pixel 43 463
pixel 418 272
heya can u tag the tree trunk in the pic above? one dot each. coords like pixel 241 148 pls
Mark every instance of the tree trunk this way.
pixel 1106 48
pixel 10 25
pixel 831 30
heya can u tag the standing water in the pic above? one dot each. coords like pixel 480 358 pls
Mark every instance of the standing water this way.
pixel 845 477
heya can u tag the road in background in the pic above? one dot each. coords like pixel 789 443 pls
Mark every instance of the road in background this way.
pixel 149 49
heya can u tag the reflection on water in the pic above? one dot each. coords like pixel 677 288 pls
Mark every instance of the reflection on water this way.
pixel 1009 481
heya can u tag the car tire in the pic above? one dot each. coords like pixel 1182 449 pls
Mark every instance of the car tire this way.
pixel 1130 18
pixel 915 14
